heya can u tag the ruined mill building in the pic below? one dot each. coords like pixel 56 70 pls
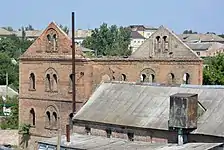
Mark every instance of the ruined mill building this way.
pixel 45 98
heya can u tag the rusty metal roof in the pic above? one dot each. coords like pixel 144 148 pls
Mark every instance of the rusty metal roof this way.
pixel 147 106
pixel 86 142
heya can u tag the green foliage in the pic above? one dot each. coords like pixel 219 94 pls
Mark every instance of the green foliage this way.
pixel 24 129
pixel 109 41
pixel 11 121
pixel 64 28
pixel 213 73
pixel 11 47
pixel 189 32
pixel 221 35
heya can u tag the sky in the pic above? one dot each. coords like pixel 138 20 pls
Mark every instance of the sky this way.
pixel 199 15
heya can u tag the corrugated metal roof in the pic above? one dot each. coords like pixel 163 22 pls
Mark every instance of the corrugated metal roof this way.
pixel 87 142
pixel 201 37
pixel 147 106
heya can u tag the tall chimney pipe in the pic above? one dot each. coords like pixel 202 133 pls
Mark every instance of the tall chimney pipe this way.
pixel 73 64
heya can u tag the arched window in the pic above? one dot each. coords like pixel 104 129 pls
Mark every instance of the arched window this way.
pixel 123 77
pixel 54 120
pixel 54 42
pixel 171 79
pixel 158 43
pixel 70 82
pixel 186 78
pixel 48 82
pixel 49 38
pixel 48 119
pixel 55 82
pixel 143 78
pixel 152 78
pixel 165 41
pixel 32 117
pixel 32 81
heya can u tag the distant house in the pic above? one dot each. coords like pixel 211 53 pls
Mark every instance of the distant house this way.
pixel 29 35
pixel 201 38
pixel 145 31
pixel 136 40
pixel 80 35
pixel 207 49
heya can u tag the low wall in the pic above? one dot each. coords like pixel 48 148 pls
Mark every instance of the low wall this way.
pixel 9 137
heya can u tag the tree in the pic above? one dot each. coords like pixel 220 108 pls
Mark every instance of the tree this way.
pixel 189 32
pixel 29 28
pixel 64 28
pixel 221 35
pixel 11 121
pixel 213 73
pixel 109 41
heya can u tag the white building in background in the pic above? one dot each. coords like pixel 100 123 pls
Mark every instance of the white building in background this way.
pixel 136 40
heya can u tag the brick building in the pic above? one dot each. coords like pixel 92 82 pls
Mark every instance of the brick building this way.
pixel 45 97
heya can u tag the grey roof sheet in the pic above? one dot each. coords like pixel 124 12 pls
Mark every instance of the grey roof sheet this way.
pixel 199 46
pixel 200 37
pixel 4 32
pixel 11 92
pixel 147 106
pixel 87 142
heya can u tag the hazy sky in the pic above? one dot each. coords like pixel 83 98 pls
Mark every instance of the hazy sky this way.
pixel 178 15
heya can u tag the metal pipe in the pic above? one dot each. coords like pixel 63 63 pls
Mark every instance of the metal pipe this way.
pixel 73 64
pixel 68 133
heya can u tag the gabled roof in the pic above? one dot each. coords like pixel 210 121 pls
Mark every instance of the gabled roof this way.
pixel 136 35
pixel 176 48
pixel 39 47
pixel 147 106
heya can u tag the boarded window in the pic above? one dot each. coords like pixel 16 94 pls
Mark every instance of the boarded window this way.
pixel 55 82
pixel 48 82
pixel 32 81
pixel 171 79
pixel 54 120
pixel 48 119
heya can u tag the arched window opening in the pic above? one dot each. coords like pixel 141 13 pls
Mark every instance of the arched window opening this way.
pixel 171 78
pixel 48 82
pixel 32 117
pixel 186 78
pixel 55 82
pixel 55 119
pixel 109 132
pixel 158 43
pixel 70 82
pixel 49 38
pixel 48 119
pixel 32 81
pixel 165 43
pixel 152 78
pixel 123 77
pixel 54 42
pixel 143 78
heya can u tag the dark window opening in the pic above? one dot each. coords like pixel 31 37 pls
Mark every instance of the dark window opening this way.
pixel 131 136
pixel 109 132
pixel 88 130
pixel 32 117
